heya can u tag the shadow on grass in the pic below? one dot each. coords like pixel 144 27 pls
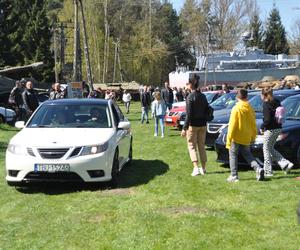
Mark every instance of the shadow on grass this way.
pixel 8 128
pixel 138 173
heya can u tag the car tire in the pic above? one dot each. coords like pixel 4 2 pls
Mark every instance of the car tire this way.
pixel 2 119
pixel 298 155
pixel 115 170
pixel 15 184
pixel 130 153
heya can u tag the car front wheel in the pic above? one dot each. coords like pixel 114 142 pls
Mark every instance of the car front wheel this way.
pixel 298 155
pixel 2 119
pixel 115 170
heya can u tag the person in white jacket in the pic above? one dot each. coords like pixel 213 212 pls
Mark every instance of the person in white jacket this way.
pixel 126 99
pixel 159 109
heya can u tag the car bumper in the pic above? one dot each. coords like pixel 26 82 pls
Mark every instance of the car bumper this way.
pixel 20 169
pixel 211 139
pixel 172 122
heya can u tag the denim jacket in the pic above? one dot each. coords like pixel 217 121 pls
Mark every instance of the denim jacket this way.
pixel 159 108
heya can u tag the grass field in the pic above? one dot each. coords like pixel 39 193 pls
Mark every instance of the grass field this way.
pixel 157 205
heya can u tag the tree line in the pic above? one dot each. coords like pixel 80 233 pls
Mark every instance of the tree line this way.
pixel 141 40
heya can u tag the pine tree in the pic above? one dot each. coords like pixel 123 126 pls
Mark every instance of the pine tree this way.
pixel 6 57
pixel 36 39
pixel 257 32
pixel 25 35
pixel 167 28
pixel 275 41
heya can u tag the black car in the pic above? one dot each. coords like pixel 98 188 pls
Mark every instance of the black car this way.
pixel 288 142
pixel 222 117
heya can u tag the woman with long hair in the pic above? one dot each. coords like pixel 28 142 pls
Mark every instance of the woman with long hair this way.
pixel 271 129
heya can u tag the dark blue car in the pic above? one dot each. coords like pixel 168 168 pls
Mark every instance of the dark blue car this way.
pixel 221 117
pixel 288 142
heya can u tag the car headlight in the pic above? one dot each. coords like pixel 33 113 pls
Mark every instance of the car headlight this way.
pixel 16 149
pixel 95 149
pixel 259 139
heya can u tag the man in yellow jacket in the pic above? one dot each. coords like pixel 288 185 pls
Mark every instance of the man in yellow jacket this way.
pixel 241 133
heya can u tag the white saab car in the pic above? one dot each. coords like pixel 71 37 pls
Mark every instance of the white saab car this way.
pixel 72 140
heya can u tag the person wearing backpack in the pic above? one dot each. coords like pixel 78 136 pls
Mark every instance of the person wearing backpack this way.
pixel 271 129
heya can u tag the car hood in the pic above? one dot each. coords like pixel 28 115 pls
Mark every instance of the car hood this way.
pixel 62 137
pixel 222 112
pixel 223 116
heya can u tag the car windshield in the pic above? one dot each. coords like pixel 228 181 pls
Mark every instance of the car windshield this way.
pixel 292 106
pixel 225 100
pixel 257 103
pixel 71 116
pixel 231 104
pixel 209 96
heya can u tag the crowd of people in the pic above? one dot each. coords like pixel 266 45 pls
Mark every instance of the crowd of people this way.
pixel 241 128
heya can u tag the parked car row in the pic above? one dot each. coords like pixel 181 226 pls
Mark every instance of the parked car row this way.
pixel 288 143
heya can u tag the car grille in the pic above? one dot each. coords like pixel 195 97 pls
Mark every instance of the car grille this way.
pixel 53 177
pixel 52 153
pixel 30 151
pixel 76 151
pixel 214 127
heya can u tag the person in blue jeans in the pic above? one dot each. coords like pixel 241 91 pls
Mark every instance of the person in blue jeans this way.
pixel 158 112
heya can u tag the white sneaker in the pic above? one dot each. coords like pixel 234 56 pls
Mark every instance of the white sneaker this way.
pixel 162 136
pixel 195 172
pixel 260 174
pixel 202 171
pixel 288 168
pixel 233 178
pixel 155 134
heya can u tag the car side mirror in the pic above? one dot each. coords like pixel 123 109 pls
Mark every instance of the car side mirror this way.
pixel 20 124
pixel 124 125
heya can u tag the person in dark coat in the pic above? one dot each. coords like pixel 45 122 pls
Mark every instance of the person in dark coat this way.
pixel 194 128
pixel 167 95
pixel 145 102
pixel 30 101
pixel 16 100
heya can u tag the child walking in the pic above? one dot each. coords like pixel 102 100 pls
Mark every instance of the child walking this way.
pixel 158 112
pixel 241 132
pixel 271 129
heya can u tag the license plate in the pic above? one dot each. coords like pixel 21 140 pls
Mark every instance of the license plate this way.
pixel 51 168
pixel 168 119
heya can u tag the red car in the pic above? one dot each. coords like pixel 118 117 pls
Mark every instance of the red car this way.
pixel 172 117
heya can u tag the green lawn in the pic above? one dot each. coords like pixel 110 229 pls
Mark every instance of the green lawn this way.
pixel 158 205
